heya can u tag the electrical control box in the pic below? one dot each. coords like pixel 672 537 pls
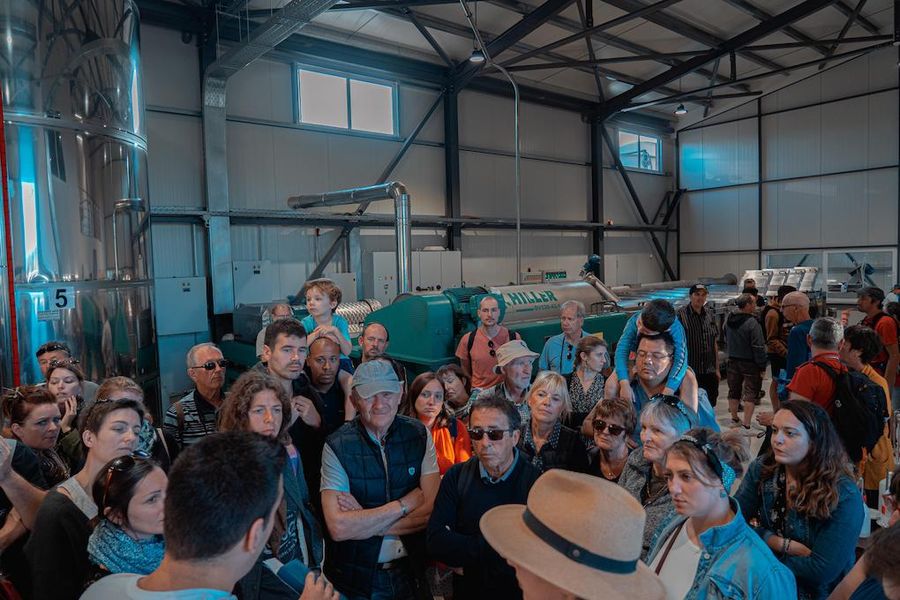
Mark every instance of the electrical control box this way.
pixel 432 270
pixel 180 305
pixel 255 282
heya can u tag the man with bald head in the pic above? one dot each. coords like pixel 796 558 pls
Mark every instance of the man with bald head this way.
pixel 373 342
pixel 795 308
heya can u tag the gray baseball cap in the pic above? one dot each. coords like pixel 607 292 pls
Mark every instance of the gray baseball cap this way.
pixel 375 376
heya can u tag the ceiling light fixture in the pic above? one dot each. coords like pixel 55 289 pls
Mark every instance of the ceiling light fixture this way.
pixel 477 56
pixel 681 110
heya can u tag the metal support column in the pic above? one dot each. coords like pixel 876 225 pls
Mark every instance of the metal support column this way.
pixel 451 166
pixel 596 206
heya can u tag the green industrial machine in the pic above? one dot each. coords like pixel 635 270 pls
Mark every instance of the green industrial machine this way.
pixel 425 328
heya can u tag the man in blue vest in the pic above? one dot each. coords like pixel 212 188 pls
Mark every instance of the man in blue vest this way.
pixel 379 481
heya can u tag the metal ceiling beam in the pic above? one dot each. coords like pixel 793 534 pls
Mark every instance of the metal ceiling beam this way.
pixel 863 22
pixel 847 40
pixel 689 31
pixel 232 6
pixel 762 15
pixel 510 37
pixel 592 29
pixel 411 16
pixel 850 20
pixel 605 38
pixel 746 38
pixel 379 4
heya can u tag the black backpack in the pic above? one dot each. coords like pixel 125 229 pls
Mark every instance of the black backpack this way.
pixel 860 409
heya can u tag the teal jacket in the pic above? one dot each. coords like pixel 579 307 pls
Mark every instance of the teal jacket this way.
pixel 735 563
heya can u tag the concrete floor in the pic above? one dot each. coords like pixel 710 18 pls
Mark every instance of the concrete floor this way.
pixel 724 417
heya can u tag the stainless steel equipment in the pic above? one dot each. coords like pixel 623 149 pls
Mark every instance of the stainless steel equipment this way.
pixel 249 319
pixel 77 174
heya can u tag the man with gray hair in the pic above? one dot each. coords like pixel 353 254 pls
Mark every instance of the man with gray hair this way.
pixel 195 416
pixel 811 381
pixel 560 351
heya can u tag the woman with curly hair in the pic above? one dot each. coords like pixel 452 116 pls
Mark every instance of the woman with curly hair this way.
pixel 802 497
pixel 257 402
pixel 426 402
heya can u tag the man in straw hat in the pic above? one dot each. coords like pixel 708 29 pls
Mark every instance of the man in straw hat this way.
pixel 515 363
pixel 580 552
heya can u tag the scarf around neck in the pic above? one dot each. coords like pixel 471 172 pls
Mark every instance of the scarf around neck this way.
pixel 110 547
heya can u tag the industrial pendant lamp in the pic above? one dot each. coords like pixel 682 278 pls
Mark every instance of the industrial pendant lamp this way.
pixel 681 110
pixel 477 56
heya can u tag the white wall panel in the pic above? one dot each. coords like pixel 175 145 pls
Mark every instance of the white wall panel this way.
pixel 414 103
pixel 630 259
pixel 792 141
pixel 178 250
pixel 617 203
pixel 262 90
pixel 719 155
pixel 845 135
pixel 175 155
pixel 171 69
pixel 251 162
pixel 723 219
pixel 882 129
pixel 716 265
pixel 490 255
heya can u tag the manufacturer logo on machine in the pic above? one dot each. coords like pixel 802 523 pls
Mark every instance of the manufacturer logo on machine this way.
pixel 531 299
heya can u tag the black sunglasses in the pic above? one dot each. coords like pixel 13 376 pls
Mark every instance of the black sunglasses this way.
pixel 569 352
pixel 123 463
pixel 211 364
pixel 495 435
pixel 491 346
pixel 600 425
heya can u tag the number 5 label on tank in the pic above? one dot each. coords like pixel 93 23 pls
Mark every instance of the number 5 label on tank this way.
pixel 61 298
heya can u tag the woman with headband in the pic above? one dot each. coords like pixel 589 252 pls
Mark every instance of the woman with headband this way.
pixel 663 420
pixel 708 550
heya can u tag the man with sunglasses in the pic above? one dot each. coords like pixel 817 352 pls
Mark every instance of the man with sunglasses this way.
pixel 195 416
pixel 58 351
pixel 493 477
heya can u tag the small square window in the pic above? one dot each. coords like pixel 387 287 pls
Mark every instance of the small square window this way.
pixel 638 151
pixel 346 103
pixel 323 99
pixel 372 107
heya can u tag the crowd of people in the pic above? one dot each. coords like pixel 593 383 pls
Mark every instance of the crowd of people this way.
pixel 316 476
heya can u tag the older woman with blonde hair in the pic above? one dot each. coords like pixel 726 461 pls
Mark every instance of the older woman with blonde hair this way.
pixel 545 441
pixel 257 402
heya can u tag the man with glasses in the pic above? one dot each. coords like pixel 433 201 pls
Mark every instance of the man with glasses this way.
pixel 379 480
pixel 195 416
pixel 559 350
pixel 795 308
pixel 477 350
pixel 495 476
pixel 514 363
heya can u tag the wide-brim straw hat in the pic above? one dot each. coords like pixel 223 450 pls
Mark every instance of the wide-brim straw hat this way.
pixel 581 533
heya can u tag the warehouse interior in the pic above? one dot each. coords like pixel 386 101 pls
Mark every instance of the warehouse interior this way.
pixel 787 151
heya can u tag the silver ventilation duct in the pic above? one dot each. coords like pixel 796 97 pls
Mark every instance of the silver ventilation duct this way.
pixel 76 151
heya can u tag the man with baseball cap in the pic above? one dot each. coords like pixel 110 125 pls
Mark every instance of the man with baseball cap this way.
pixel 702 335
pixel 515 363
pixel 869 301
pixel 579 552
pixel 379 480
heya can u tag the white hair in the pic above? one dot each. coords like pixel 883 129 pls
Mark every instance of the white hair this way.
pixel 192 353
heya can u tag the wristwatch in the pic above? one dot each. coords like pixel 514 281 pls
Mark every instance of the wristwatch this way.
pixel 403 508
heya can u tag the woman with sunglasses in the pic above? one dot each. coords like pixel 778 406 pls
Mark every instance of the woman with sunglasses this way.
pixel 585 383
pixel 129 493
pixel 614 420
pixel 34 420
pixel 258 403
pixel 65 380
pixel 425 402
pixel 663 421
pixel 708 550
pixel 804 499
pixel 546 442
pixel 57 548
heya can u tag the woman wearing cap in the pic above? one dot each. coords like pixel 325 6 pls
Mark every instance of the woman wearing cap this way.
pixel 708 550
pixel 613 421
pixel 57 548
pixel 546 442
pixel 257 402
pixel 425 402
pixel 801 493
pixel 663 421
pixel 64 381
pixel 585 382
pixel 579 552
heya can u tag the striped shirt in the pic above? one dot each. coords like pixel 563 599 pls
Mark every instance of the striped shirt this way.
pixel 190 419
pixel 701 334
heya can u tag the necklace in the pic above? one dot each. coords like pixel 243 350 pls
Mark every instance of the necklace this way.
pixel 616 467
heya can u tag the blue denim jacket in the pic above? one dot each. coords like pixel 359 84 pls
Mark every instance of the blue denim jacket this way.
pixel 832 541
pixel 735 564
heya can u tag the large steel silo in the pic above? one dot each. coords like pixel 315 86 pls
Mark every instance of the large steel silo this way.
pixel 78 210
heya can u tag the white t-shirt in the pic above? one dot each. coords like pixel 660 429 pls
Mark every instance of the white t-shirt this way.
pixel 335 478
pixel 124 586
pixel 677 573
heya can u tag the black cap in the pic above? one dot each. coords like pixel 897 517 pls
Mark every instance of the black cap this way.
pixel 698 287
pixel 875 293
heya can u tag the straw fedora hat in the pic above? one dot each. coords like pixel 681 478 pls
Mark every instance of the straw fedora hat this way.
pixel 581 533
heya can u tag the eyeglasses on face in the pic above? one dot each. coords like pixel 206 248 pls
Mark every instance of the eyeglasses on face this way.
pixel 600 425
pixel 212 364
pixel 652 355
pixel 123 463
pixel 495 435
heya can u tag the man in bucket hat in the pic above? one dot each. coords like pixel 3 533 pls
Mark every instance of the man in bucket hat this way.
pixel 580 552
pixel 379 480
pixel 515 362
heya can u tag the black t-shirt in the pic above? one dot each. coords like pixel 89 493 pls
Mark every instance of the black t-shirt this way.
pixel 12 561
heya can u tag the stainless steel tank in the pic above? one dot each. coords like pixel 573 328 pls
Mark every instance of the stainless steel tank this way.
pixel 78 208
pixel 542 301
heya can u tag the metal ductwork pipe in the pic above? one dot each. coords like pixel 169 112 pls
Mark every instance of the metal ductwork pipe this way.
pixel 76 145
pixel 393 190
